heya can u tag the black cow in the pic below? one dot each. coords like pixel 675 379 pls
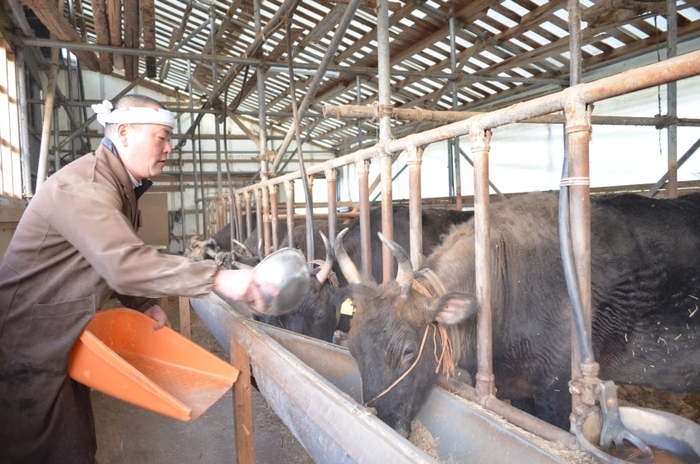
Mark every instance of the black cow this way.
pixel 318 315
pixel 645 287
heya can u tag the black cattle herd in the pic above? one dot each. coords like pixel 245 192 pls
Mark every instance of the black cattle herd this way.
pixel 645 271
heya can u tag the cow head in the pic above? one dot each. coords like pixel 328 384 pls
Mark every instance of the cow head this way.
pixel 316 316
pixel 393 334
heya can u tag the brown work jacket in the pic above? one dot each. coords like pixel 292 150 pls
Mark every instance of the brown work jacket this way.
pixel 74 245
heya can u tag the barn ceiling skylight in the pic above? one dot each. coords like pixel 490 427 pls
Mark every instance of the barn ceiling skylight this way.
pixel 501 19
pixel 515 8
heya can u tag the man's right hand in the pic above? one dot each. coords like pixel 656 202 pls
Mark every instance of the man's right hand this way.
pixel 244 285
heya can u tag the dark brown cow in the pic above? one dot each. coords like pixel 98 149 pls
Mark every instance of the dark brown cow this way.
pixel 645 286
pixel 318 315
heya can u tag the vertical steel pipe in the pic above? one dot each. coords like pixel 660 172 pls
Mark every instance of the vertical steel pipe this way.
pixel 575 74
pixel 21 72
pixel 289 189
pixel 220 213
pixel 181 176
pixel 248 218
pixel 358 99
pixel 259 221
pixel 672 101
pixel 274 211
pixel 455 105
pixel 414 159
pixel 480 140
pixel 362 168
pixel 194 152
pixel 214 79
pixel 332 183
pixel 50 93
pixel 266 222
pixel 578 136
pixel 239 218
pixel 385 159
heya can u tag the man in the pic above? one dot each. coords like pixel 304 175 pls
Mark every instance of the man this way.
pixel 76 244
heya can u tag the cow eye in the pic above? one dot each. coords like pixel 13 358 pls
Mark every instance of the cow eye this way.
pixel 409 352
pixel 320 316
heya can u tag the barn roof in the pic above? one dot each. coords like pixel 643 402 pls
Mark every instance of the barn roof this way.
pixel 464 55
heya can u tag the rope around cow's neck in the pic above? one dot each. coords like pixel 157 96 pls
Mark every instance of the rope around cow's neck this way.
pixel 403 376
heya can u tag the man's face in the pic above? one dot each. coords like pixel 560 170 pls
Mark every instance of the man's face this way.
pixel 146 148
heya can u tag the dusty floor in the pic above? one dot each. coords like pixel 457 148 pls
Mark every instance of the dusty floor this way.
pixel 128 434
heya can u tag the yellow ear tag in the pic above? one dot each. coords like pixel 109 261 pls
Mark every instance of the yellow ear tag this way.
pixel 347 308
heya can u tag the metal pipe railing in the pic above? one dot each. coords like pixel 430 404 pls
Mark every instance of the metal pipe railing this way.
pixel 573 101
pixel 677 68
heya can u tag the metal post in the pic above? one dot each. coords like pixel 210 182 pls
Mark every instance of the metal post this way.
pixel 194 156
pixel 259 220
pixel 212 35
pixel 480 148
pixel 672 101
pixel 239 218
pixel 332 183
pixel 181 176
pixel 455 105
pixel 414 159
pixel 578 135
pixel 386 160
pixel 24 125
pixel 289 189
pixel 46 128
pixel 358 98
pixel 362 169
pixel 274 199
pixel 248 219
pixel 575 64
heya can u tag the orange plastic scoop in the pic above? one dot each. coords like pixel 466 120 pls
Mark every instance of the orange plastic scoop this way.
pixel 121 355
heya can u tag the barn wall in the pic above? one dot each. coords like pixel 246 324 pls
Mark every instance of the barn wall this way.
pixel 154 229
pixel 11 210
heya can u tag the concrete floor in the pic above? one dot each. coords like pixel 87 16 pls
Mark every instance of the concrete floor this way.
pixel 128 434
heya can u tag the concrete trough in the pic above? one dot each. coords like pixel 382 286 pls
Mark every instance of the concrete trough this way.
pixel 314 387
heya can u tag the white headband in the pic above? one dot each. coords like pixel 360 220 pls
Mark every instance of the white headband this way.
pixel 132 115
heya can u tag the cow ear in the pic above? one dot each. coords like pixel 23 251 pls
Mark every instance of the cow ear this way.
pixel 453 308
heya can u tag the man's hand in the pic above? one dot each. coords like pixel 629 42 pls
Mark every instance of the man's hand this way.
pixel 244 285
pixel 157 313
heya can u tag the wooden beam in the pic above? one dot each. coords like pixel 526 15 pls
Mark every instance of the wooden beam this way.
pixel 99 14
pixel 131 38
pixel 114 18
pixel 148 23
pixel 48 14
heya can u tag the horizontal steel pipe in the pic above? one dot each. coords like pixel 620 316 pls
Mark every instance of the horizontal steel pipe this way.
pixel 405 114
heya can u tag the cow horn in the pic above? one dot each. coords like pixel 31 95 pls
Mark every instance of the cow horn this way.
pixel 347 267
pixel 405 275
pixel 245 248
pixel 328 264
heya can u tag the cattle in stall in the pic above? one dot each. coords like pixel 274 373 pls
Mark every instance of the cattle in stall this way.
pixel 645 271
pixel 320 252
pixel 246 252
pixel 319 314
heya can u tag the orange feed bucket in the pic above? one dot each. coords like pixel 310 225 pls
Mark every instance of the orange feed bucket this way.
pixel 121 355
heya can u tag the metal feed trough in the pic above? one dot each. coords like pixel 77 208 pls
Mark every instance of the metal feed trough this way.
pixel 314 387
